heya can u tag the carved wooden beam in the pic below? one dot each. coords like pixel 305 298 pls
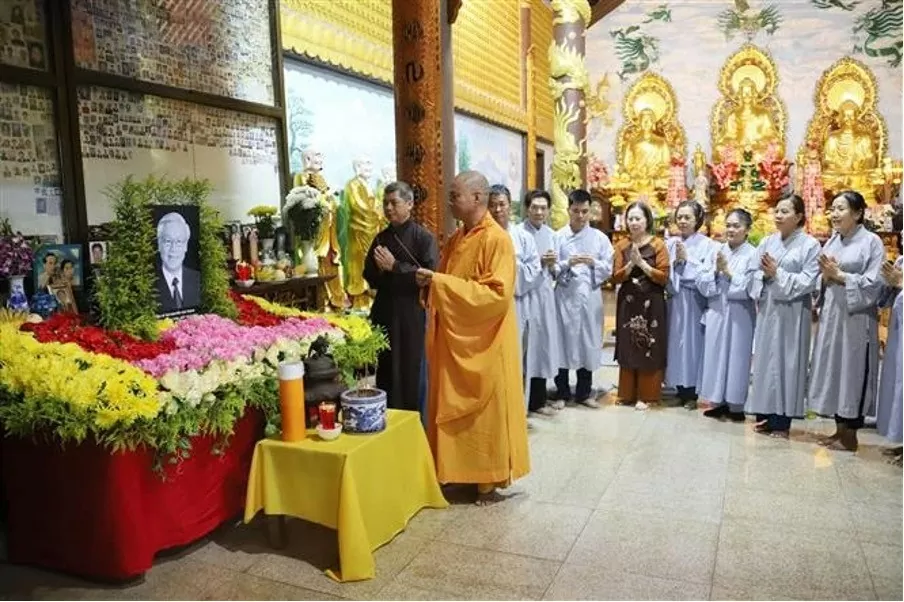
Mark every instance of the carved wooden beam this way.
pixel 601 8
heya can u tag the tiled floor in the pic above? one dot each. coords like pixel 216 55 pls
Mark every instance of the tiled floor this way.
pixel 620 504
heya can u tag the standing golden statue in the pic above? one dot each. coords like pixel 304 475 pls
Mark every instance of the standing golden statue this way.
pixel 847 130
pixel 648 139
pixel 365 218
pixel 749 115
pixel 326 243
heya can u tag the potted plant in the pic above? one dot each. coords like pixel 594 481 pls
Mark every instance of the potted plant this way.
pixel 363 406
pixel 266 230
pixel 16 259
pixel 303 212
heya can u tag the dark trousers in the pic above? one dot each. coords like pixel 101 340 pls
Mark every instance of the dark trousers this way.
pixel 857 423
pixel 536 395
pixel 778 422
pixel 686 394
pixel 851 423
pixel 581 391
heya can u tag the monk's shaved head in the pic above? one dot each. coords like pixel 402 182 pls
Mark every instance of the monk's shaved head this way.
pixel 474 181
pixel 468 197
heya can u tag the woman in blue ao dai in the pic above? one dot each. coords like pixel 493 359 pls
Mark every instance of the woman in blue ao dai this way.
pixel 784 282
pixel 729 320
pixel 688 253
pixel 845 362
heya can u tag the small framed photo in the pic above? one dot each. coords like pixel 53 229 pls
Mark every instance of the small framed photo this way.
pixel 97 252
pixel 63 293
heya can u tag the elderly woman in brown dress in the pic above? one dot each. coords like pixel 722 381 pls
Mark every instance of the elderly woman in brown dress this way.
pixel 641 268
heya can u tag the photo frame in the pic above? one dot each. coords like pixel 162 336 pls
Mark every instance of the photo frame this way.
pixel 97 252
pixel 65 297
pixel 178 259
pixel 56 265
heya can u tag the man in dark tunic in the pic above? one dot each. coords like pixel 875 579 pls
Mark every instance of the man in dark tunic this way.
pixel 394 256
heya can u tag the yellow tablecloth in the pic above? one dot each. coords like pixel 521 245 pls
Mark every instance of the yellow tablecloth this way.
pixel 367 487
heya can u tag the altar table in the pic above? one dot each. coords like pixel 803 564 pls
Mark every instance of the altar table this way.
pixel 367 487
pixel 84 510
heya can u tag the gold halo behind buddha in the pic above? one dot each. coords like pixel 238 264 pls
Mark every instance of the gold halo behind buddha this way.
pixel 651 91
pixel 760 123
pixel 847 129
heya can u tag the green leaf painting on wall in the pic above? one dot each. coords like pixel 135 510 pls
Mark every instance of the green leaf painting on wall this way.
pixel 877 33
pixel 300 128
pixel 636 49
pixel 741 18
pixel 464 155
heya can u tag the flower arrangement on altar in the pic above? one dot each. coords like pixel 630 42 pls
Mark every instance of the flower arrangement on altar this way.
pixel 597 174
pixel 69 380
pixel 16 255
pixel 304 211
pixel 774 169
pixel 130 379
pixel 263 219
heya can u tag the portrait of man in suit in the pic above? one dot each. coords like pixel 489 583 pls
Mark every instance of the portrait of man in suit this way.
pixel 178 278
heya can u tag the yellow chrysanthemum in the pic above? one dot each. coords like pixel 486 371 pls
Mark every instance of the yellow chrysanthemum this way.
pixel 112 390
pixel 355 327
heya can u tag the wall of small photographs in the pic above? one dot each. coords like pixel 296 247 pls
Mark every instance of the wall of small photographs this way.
pixel 220 47
pixel 125 133
pixel 30 193
pixel 23 34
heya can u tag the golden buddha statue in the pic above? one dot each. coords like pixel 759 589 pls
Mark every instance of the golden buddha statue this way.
pixel 748 113
pixel 365 219
pixel 848 156
pixel 326 243
pixel 647 157
pixel 749 125
pixel 646 143
pixel 848 133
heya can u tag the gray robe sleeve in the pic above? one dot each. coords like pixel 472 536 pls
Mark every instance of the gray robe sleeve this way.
pixel 862 291
pixel 792 286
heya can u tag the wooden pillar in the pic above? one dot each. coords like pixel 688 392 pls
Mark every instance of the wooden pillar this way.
pixel 569 83
pixel 527 95
pixel 424 109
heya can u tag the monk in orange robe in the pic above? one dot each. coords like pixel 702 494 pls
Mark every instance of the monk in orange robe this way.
pixel 476 423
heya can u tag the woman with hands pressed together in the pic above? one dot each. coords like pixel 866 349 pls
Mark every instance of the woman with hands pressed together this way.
pixel 786 276
pixel 891 392
pixel 729 321
pixel 641 268
pixel 845 362
pixel 688 253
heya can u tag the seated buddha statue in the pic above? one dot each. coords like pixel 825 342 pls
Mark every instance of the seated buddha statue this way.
pixel 749 125
pixel 848 157
pixel 647 156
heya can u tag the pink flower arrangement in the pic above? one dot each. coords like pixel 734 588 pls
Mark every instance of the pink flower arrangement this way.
pixel 200 340
pixel 597 174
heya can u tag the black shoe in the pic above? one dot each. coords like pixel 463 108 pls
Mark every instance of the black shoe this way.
pixel 717 412
pixel 737 416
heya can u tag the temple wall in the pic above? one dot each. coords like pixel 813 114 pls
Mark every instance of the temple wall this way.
pixel 685 44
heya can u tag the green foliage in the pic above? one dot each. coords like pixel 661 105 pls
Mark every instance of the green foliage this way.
pixel 52 421
pixel 126 292
pixel 214 275
pixel 353 356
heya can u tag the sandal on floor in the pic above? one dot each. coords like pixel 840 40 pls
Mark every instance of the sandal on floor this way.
pixel 779 434
pixel 893 452
pixel 762 427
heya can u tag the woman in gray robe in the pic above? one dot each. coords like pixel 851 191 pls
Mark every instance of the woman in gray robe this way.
pixel 891 384
pixel 688 253
pixel 729 320
pixel 845 361
pixel 786 276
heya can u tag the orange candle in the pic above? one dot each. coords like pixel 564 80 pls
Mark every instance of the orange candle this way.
pixel 291 400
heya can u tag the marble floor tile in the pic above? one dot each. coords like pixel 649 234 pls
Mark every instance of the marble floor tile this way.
pixel 599 582
pixel 650 545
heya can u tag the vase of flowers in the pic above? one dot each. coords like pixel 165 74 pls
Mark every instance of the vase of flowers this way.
pixel 266 229
pixel 303 212
pixel 16 258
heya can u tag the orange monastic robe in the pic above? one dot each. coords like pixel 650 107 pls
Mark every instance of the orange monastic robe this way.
pixel 477 420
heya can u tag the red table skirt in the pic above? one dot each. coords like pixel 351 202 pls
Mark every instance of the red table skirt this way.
pixel 85 511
